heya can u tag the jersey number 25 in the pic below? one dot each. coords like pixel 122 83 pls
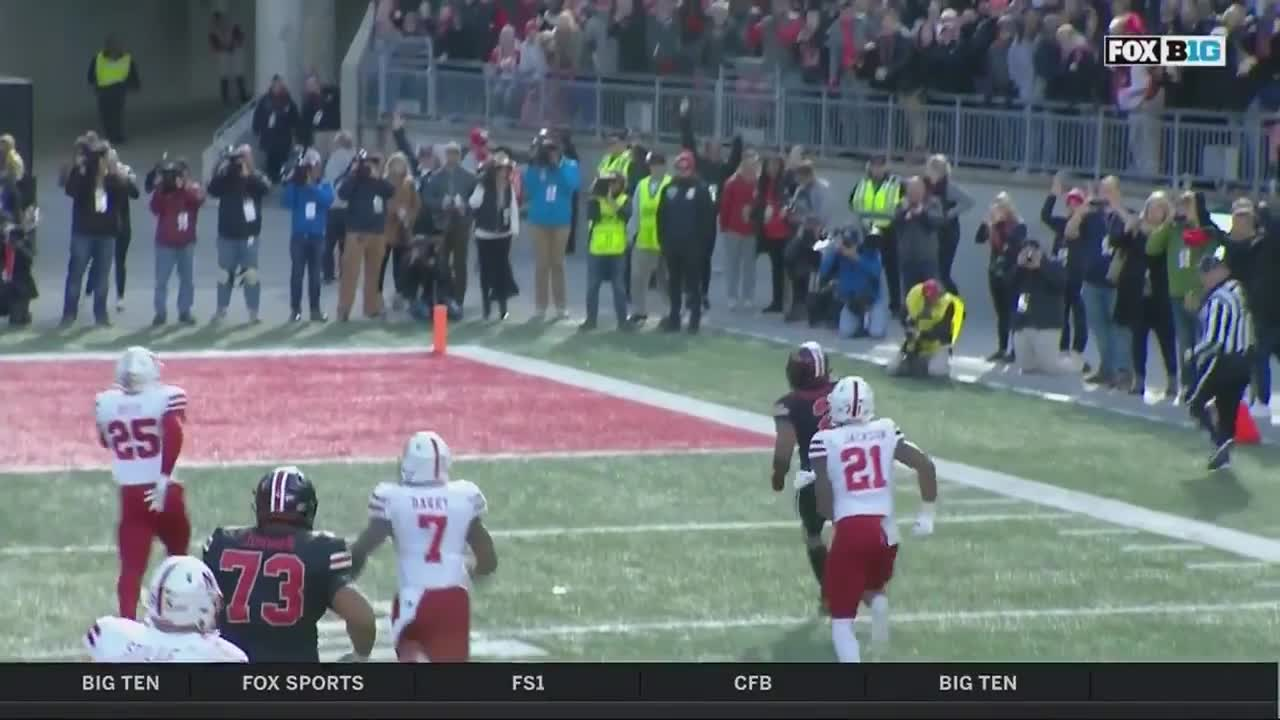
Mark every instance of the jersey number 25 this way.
pixel 862 468
pixel 134 440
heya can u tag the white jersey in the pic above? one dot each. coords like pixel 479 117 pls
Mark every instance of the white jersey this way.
pixel 120 640
pixel 429 526
pixel 132 427
pixel 859 460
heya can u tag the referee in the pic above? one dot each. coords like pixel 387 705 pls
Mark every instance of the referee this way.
pixel 1221 358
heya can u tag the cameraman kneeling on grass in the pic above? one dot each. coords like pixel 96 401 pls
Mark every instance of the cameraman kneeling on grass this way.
pixel 1040 285
pixel 308 199
pixel 854 265
pixel 427 279
pixel 933 322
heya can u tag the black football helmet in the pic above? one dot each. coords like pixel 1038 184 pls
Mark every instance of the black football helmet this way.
pixel 285 495
pixel 807 367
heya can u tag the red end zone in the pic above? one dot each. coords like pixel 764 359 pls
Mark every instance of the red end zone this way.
pixel 270 408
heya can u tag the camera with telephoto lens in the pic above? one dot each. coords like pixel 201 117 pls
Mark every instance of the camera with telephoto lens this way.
pixel 363 164
pixel 232 163
pixel 168 175
pixel 295 169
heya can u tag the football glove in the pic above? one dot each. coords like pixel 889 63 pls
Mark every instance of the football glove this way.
pixel 154 497
pixel 352 657
pixel 924 521
pixel 803 479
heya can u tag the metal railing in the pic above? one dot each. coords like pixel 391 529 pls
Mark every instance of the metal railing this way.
pixel 1221 149
pixel 233 131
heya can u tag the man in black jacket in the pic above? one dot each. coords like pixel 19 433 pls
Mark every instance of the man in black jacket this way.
pixel 1039 282
pixel 275 122
pixel 686 226
pixel 714 171
pixel 95 220
pixel 1254 256
pixel 239 189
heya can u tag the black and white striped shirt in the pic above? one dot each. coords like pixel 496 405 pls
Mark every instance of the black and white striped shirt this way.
pixel 1226 328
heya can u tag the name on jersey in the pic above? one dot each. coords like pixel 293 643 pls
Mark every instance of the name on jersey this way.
pixel 302 683
pixel 431 502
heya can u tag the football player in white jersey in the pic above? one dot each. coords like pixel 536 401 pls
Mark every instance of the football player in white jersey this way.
pixel 854 464
pixel 432 520
pixel 181 620
pixel 139 420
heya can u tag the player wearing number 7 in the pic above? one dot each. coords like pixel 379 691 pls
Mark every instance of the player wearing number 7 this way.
pixel 140 421
pixel 432 520
pixel 853 461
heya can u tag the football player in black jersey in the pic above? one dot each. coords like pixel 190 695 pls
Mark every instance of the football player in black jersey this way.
pixel 280 577
pixel 798 415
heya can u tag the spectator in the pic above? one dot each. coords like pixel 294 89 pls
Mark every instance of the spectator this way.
pixel 723 39
pixel 402 213
pixel 113 75
pixel 1096 234
pixel 599 47
pixel 630 27
pixel 1075 330
pixel 335 231
pixel 12 167
pixel 497 216
pixel 686 224
pixel 1138 95
pixel 318 111
pixel 18 220
pixel 1005 233
pixel 175 201
pixel 955 203
pixel 772 230
pixel 308 197
pixel 933 322
pixel 646 252
pixel 665 39
pixel 949 61
pixel 873 202
pixel 367 194
pixel 503 62
pixel 1075 78
pixel 550 180
pixel 275 122
pixel 739 237
pixel 1028 36
pixel 998 82
pixel 126 191
pixel 446 196
pixel 478 28
pixel 1255 249
pixel 916 225
pixel 845 39
pixel 226 40
pixel 607 212
pixel 95 193
pixel 808 211
pixel 239 188
pixel 854 261
pixel 1153 312
pixel 1038 284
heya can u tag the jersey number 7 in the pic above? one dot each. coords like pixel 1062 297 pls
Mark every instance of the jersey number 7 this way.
pixel 248 565
pixel 862 468
pixel 434 525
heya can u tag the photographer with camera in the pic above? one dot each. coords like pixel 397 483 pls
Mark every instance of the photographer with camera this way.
pixel 934 318
pixel 175 201
pixel 239 189
pixel 852 263
pixel 446 193
pixel 497 222
pixel 607 214
pixel 308 198
pixel 550 181
pixel 95 193
pixel 807 211
pixel 1039 284
pixel 1004 232
pixel 366 193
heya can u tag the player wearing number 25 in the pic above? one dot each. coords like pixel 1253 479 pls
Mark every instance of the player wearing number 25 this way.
pixel 176 202
pixel 140 421
pixel 279 577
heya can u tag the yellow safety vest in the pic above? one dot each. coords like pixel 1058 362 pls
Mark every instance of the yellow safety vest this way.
pixel 620 163
pixel 647 223
pixel 108 72
pixel 926 319
pixel 609 233
pixel 882 201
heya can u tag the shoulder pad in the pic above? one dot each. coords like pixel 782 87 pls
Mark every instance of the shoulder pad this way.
pixel 472 492
pixel 215 537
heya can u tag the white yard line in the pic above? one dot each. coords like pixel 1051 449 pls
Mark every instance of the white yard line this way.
pixel 76 356
pixel 992 501
pixel 1161 547
pixel 1096 532
pixel 1268 583
pixel 1228 565
pixel 556 532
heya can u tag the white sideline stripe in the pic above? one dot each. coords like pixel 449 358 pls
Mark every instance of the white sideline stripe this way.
pixel 1093 532
pixel 972 501
pixel 78 356
pixel 1161 547
pixel 1228 565
pixel 1099 508
pixel 551 532
pixel 28 470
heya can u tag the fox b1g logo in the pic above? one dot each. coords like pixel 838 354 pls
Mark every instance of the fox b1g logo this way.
pixel 1165 50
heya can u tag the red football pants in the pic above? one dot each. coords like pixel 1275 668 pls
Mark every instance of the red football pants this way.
pixel 138 527
pixel 440 629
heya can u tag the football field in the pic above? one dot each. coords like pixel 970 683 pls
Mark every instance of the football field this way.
pixel 628 491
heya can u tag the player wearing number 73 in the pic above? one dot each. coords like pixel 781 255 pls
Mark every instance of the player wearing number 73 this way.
pixel 279 577
pixel 139 420
pixel 853 461
pixel 433 521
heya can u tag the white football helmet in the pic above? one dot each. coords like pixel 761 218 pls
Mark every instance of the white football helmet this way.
pixel 137 368
pixel 183 596
pixel 852 401
pixel 426 460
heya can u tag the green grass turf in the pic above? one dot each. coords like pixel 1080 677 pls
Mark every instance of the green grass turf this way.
pixel 553 591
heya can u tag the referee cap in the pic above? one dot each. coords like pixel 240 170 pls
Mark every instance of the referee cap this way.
pixel 1214 259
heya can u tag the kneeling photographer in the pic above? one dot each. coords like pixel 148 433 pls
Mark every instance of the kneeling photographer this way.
pixel 176 203
pixel 308 198
pixel 850 278
pixel 1040 285
pixel 426 279
pixel 934 318
pixel 239 189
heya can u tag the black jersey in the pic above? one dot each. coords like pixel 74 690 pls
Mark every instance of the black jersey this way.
pixel 807 411
pixel 275 587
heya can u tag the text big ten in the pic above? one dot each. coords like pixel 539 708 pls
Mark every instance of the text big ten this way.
pixel 127 683
pixel 1164 50
pixel 981 683
pixel 302 683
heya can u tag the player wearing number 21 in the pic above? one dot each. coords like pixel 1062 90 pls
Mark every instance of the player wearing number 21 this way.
pixel 432 520
pixel 139 420
pixel 853 461
pixel 280 577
